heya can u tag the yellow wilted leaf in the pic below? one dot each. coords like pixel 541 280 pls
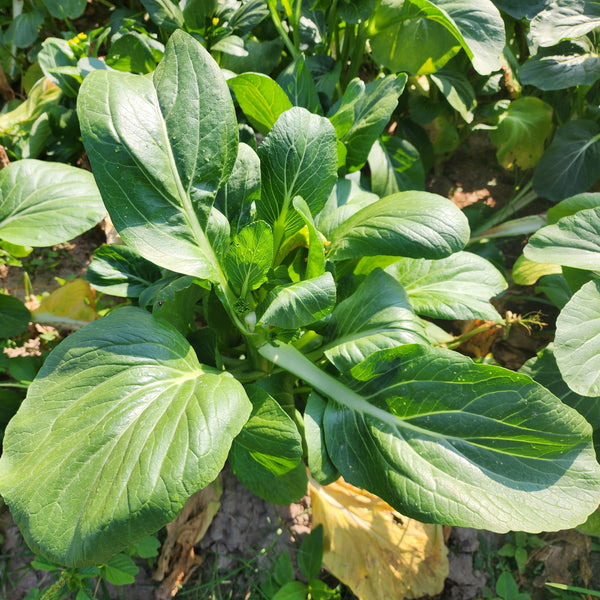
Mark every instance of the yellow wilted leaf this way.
pixel 373 549
pixel 73 305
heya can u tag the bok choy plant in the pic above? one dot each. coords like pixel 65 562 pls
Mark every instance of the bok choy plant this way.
pixel 275 324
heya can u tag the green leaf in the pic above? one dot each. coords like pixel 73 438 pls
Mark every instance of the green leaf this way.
pixel 544 370
pixel 266 456
pixel 362 113
pixel 71 9
pixel 14 316
pixel 395 166
pixel 131 425
pixel 458 92
pixel 269 437
pixel 310 553
pixel 476 25
pixel 325 72
pixel 235 198
pixel 120 570
pixel 195 12
pixel 174 151
pixel 457 287
pixel 263 57
pixel 569 165
pixel 355 11
pixel 261 99
pixel 166 14
pixel 393 46
pixel 294 590
pixel 298 158
pixel 231 44
pixel 276 489
pixel 23 29
pixel 572 205
pixel 119 271
pixel 134 52
pixel 42 203
pixel 560 72
pixel 59 64
pixel 315 265
pixel 250 257
pixel 147 547
pixel 346 199
pixel 518 9
pixel 527 272
pixel 248 16
pixel 506 586
pixel 414 224
pixel 320 465
pixel 573 241
pixel 521 132
pixel 454 442
pixel 564 19
pixel 283 569
pixel 299 304
pixel 576 343
pixel 367 322
pixel 297 82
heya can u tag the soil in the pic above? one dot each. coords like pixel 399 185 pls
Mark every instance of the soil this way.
pixel 245 526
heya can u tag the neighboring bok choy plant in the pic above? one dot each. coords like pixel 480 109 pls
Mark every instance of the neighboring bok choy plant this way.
pixel 277 325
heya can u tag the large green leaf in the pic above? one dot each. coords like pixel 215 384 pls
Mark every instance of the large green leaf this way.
pixel 160 148
pixel 457 287
pixel 564 19
pixel 59 64
pixel 315 261
pixel 266 456
pixel 71 9
pixel 367 322
pixel 119 271
pixel 362 113
pixel 346 199
pixel 261 99
pixel 235 198
pixel 458 91
pixel 572 205
pixel 250 257
pixel 269 436
pixel 395 166
pixel 475 24
pixel 573 242
pixel 519 9
pixel 560 72
pixel 445 440
pixel 14 316
pixel 19 128
pixel 544 370
pixel 521 132
pixel 298 158
pixel 120 427
pixel 577 342
pixel 166 14
pixel 298 84
pixel 43 203
pixel 393 45
pixel 415 224
pixel 319 463
pixel 570 164
pixel 299 304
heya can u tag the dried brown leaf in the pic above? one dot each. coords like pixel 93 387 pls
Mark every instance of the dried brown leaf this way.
pixel 177 559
